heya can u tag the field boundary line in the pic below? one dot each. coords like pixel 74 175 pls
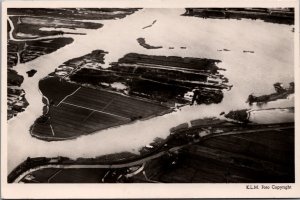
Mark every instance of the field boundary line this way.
pixel 103 178
pixel 68 96
pixel 53 175
pixel 52 130
pixel 96 110
pixel 108 104
pixel 88 116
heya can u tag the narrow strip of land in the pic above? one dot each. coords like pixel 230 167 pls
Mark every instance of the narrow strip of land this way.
pixel 11 37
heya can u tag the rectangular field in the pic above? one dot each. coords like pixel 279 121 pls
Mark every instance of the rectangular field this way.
pixel 88 110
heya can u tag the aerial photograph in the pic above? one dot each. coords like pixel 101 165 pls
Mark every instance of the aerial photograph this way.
pixel 150 95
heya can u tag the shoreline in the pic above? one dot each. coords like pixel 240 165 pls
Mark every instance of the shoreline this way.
pixel 162 148
pixel 52 151
pixel 279 16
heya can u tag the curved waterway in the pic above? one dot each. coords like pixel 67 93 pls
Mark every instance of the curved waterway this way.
pixel 272 61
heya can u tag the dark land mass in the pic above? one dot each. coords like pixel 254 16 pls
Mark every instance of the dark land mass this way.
pixel 27 25
pixel 273 15
pixel 73 110
pixel 211 151
pixel 150 25
pixel 280 93
pixel 31 73
pixel 159 78
pixel 75 13
pixel 246 51
pixel 143 43
pixel 266 157
pixel 70 67
pixel 243 115
pixel 30 50
pixel 223 50
pixel 13 78
pixel 239 115
pixel 23 52
pixel 16 101
pixel 82 98
pixel 31 25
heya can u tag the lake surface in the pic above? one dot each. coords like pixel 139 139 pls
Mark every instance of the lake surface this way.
pixel 272 61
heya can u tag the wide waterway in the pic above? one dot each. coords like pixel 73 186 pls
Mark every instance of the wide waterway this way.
pixel 256 72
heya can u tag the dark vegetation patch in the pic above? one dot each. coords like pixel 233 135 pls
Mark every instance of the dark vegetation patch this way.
pixel 144 44
pixel 29 21
pixel 31 72
pixel 280 93
pixel 16 101
pixel 31 50
pixel 59 89
pixel 246 51
pixel 223 50
pixel 23 52
pixel 32 25
pixel 190 63
pixel 13 78
pixel 243 115
pixel 75 13
pixel 273 15
pixel 150 24
pixel 158 78
pixel 239 115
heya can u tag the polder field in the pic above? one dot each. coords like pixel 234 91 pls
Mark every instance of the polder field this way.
pixel 74 110
pixel 266 157
pixel 262 156
pixel 81 175
pixel 53 175
pixel 82 100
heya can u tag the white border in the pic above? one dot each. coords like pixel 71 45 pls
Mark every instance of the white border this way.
pixel 142 190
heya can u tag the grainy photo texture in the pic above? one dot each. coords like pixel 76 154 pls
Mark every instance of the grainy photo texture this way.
pixel 150 95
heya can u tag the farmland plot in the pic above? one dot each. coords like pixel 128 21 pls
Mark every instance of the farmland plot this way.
pixel 75 110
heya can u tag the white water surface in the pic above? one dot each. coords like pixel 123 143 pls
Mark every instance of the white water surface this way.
pixel 272 61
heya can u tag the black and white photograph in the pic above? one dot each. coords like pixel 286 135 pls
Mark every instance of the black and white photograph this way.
pixel 149 95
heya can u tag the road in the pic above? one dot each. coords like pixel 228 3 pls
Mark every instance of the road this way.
pixel 143 160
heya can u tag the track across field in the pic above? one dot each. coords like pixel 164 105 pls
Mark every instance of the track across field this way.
pixel 85 110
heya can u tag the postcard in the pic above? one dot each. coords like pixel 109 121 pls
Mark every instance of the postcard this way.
pixel 150 99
